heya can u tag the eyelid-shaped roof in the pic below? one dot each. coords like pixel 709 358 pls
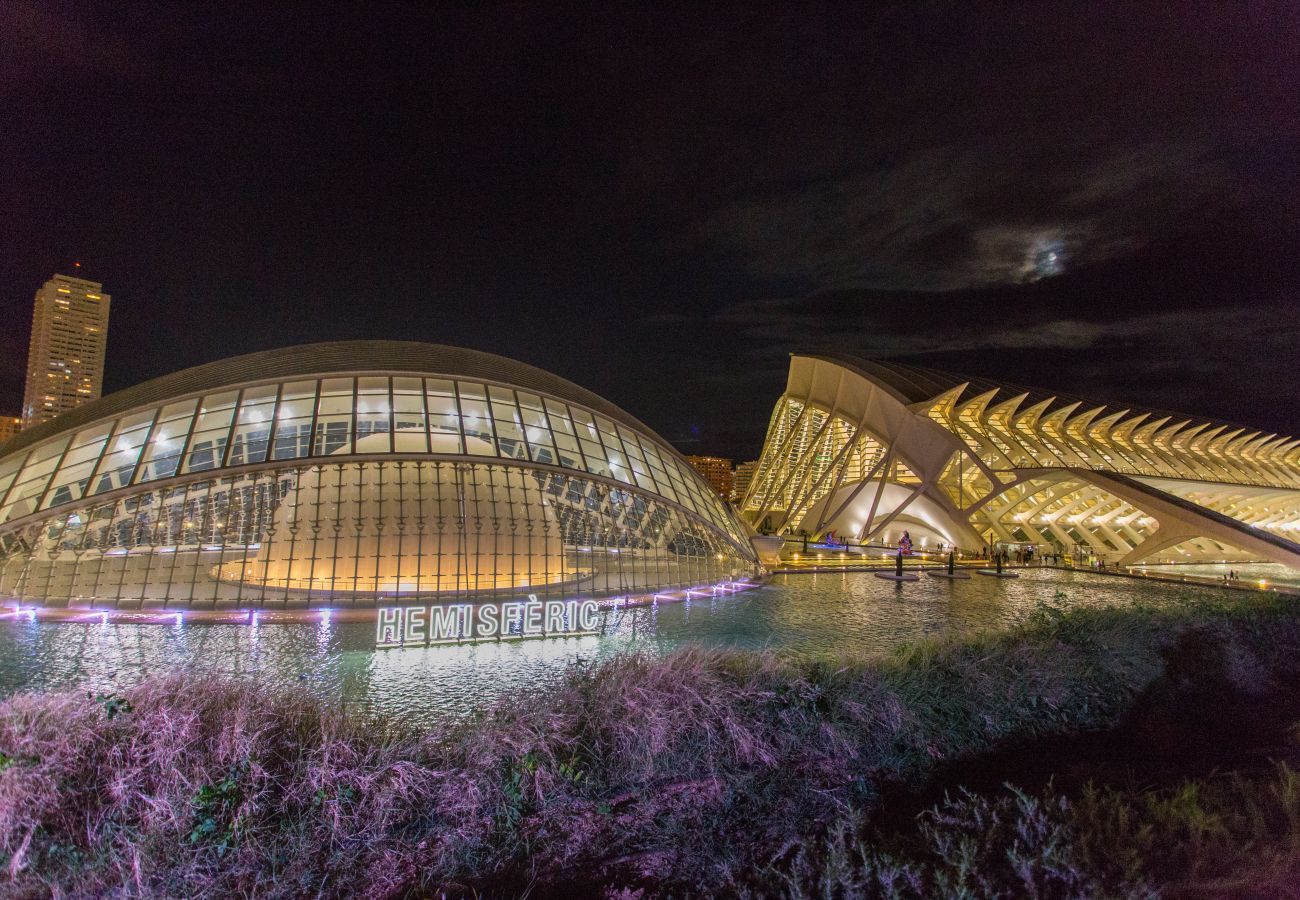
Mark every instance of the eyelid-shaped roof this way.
pixel 285 363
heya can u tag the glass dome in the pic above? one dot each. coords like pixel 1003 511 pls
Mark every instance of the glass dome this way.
pixel 358 473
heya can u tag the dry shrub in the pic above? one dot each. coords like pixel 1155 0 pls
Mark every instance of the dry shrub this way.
pixel 676 773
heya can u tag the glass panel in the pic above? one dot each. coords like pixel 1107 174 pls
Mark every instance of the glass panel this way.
pixel 123 452
pixel 499 394
pixel 566 441
pixel 163 456
pixel 594 453
pixel 509 428
pixel 334 417
pixel 660 474
pixel 293 420
pixel 35 475
pixel 410 433
pixel 374 415
pixel 536 429
pixel 211 432
pixel 444 420
pixel 78 465
pixel 640 470
pixel 528 401
pixel 585 424
pixel 607 429
pixel 644 479
pixel 253 426
pixel 698 501
pixel 679 481
pixel 618 467
pixel 471 390
pixel 403 385
pixel 8 469
pixel 177 410
pixel 618 463
pixel 479 439
pixel 594 457
pixel 592 449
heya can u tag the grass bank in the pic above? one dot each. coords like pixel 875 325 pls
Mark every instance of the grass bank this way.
pixel 1229 835
pixel 706 771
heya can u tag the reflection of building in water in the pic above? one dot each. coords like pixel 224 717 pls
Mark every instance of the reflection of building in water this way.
pixel 868 449
pixel 353 473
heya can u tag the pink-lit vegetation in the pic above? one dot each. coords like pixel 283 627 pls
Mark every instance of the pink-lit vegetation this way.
pixel 717 772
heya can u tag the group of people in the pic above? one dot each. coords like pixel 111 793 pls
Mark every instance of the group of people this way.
pixel 832 539
pixel 1022 555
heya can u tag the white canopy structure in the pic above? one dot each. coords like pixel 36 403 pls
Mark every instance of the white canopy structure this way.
pixel 867 449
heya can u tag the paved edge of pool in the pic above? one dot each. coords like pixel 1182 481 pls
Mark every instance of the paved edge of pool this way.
pixel 1262 585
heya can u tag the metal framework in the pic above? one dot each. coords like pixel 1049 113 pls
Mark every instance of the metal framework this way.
pixel 867 449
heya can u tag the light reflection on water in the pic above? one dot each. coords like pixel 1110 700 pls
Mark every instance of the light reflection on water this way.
pixel 1272 573
pixel 799 614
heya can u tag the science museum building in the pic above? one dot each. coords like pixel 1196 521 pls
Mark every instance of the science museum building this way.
pixel 865 450
pixel 360 473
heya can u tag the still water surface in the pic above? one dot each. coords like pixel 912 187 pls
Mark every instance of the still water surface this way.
pixel 797 614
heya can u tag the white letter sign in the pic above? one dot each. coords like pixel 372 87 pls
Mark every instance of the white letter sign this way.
pixel 466 623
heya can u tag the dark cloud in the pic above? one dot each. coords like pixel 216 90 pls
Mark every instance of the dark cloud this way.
pixel 946 220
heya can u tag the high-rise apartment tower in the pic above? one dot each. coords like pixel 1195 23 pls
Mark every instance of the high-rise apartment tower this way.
pixel 65 360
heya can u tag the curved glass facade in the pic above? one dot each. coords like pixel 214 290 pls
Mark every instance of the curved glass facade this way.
pixel 356 488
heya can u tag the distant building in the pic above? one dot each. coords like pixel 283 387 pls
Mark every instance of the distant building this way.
pixel 743 476
pixel 716 471
pixel 9 427
pixel 65 360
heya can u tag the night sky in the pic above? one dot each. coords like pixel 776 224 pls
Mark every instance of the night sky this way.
pixel 661 201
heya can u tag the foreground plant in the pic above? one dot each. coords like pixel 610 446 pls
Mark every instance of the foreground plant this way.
pixel 970 846
pixel 1230 835
pixel 680 774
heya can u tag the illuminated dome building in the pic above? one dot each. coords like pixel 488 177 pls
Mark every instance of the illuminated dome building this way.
pixel 355 473
pixel 867 449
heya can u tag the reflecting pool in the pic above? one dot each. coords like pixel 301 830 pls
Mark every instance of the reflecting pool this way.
pixel 798 614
